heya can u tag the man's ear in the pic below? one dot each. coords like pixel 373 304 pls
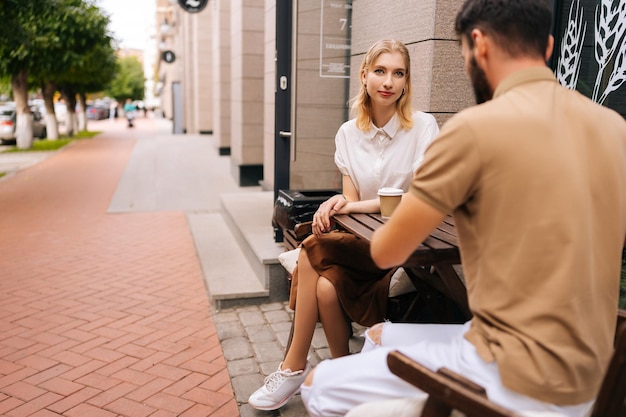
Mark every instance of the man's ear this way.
pixel 549 48
pixel 480 44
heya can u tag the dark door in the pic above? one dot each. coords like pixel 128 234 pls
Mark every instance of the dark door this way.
pixel 282 118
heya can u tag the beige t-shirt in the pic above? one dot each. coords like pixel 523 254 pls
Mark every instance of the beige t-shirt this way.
pixel 536 180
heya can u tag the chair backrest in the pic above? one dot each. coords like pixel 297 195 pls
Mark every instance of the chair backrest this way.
pixel 446 390
pixel 611 399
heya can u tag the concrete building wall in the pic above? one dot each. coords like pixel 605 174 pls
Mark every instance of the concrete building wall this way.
pixel 168 39
pixel 188 69
pixel 321 106
pixel 197 74
pixel 247 63
pixel 203 46
pixel 221 74
pixel 269 90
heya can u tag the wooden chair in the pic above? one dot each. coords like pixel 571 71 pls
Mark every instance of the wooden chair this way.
pixel 448 391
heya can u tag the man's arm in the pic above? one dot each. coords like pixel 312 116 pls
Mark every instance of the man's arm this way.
pixel 410 224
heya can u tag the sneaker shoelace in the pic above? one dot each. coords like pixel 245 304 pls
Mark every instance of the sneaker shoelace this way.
pixel 274 380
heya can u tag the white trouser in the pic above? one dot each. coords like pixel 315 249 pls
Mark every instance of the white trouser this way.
pixel 343 383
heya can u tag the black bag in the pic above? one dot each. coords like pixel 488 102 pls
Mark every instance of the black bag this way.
pixel 293 207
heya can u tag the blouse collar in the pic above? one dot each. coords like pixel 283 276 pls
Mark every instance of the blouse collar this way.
pixel 390 129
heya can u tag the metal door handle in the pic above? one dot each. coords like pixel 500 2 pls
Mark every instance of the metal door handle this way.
pixel 284 134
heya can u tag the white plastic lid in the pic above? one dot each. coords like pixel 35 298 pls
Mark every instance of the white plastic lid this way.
pixel 390 191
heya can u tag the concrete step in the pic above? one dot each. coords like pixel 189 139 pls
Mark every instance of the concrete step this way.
pixel 237 250
pixel 230 279
pixel 249 217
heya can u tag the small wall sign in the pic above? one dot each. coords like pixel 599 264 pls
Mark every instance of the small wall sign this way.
pixel 168 56
pixel 193 6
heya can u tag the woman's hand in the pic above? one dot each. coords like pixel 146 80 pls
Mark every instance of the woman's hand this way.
pixel 322 217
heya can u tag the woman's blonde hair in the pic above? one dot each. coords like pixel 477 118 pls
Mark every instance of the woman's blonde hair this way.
pixel 362 104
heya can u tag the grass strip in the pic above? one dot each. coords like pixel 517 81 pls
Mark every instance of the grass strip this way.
pixel 53 145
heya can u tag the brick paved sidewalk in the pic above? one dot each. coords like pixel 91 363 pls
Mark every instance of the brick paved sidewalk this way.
pixel 101 314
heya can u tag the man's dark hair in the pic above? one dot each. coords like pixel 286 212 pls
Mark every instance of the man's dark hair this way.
pixel 519 27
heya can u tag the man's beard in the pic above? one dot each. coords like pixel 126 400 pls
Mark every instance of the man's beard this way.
pixel 482 90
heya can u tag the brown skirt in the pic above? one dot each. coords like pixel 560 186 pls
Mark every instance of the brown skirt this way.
pixel 345 260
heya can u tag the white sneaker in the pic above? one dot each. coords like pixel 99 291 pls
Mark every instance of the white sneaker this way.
pixel 278 388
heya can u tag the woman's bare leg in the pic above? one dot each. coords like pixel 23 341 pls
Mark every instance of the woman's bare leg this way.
pixel 336 323
pixel 306 315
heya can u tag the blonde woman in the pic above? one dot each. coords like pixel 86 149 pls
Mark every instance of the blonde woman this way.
pixel 336 280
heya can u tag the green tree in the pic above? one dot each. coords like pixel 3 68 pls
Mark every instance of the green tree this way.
pixel 82 62
pixel 52 42
pixel 24 42
pixel 129 81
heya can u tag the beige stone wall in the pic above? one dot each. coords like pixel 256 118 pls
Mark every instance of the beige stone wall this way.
pixel 197 75
pixel 221 72
pixel 269 88
pixel 187 72
pixel 202 44
pixel 321 107
pixel 247 63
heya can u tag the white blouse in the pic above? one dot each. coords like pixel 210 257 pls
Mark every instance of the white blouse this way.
pixel 383 157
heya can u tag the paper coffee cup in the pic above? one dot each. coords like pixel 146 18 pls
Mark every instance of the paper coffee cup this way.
pixel 389 200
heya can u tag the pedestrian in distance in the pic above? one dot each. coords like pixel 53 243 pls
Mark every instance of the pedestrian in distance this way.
pixel 335 280
pixel 129 111
pixel 535 177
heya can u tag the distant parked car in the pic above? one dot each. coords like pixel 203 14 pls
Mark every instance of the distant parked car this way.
pixel 97 112
pixel 8 123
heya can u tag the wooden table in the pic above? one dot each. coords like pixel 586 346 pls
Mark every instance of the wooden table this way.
pixel 432 262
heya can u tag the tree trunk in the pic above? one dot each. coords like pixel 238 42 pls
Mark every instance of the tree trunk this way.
pixel 70 121
pixel 82 114
pixel 24 127
pixel 52 125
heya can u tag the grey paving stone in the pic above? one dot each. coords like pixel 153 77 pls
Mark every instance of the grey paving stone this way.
pixel 230 329
pixel 225 316
pixel 283 338
pixel 319 339
pixel 245 385
pixel 236 348
pixel 247 308
pixel 268 351
pixel 269 367
pixel 272 306
pixel 323 353
pixel 294 408
pixel 243 367
pixel 249 318
pixel 281 326
pixel 246 411
pixel 278 316
pixel 260 333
